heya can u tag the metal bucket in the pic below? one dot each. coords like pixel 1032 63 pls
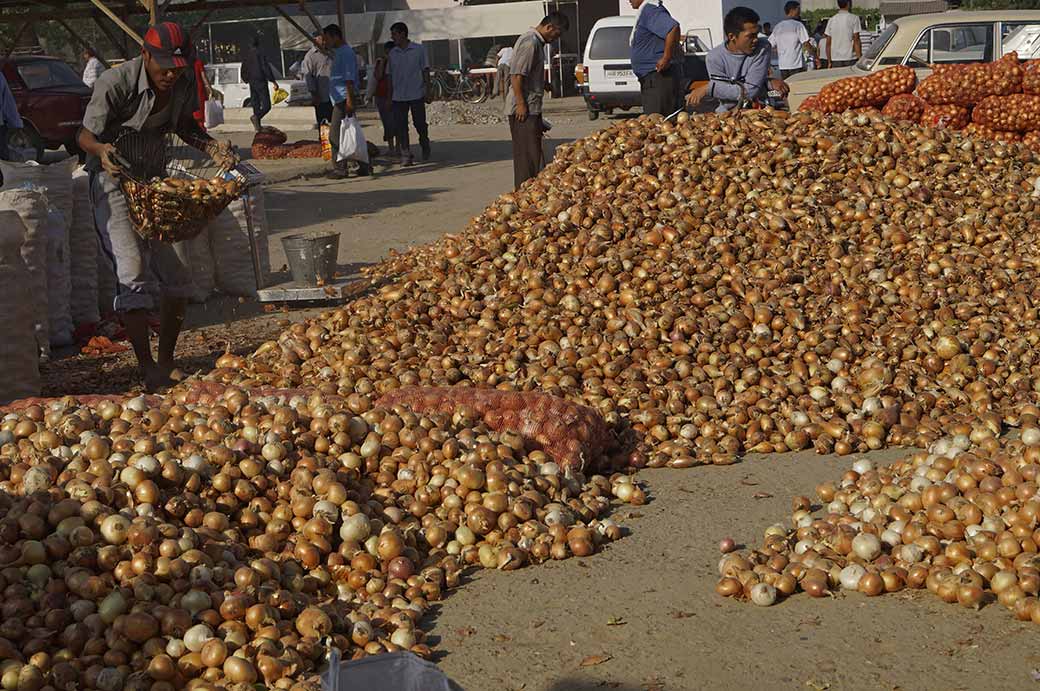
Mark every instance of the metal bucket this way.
pixel 312 257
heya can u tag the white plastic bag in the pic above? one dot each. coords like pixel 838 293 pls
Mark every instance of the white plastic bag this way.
pixel 214 113
pixel 59 282
pixel 397 671
pixel 352 144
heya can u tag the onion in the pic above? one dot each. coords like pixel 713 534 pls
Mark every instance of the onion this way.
pixel 196 637
pixel 763 594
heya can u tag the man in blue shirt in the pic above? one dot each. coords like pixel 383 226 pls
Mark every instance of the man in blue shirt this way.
pixel 655 42
pixel 342 80
pixel 9 117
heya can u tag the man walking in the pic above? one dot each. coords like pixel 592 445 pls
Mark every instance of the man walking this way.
pixel 145 98
pixel 524 102
pixel 791 40
pixel 843 43
pixel 316 68
pixel 258 73
pixel 343 79
pixel 410 91
pixel 655 43
pixel 9 118
pixel 93 68
pixel 502 74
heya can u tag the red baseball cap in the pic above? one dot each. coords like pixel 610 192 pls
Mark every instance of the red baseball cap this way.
pixel 169 45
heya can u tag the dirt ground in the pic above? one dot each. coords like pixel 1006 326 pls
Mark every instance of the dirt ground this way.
pixel 646 604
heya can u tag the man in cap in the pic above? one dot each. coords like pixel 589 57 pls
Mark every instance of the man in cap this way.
pixel 144 99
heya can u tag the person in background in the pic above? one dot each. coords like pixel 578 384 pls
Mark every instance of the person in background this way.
pixel 258 72
pixel 9 117
pixel 526 88
pixel 151 95
pixel 743 59
pixel 378 91
pixel 94 67
pixel 767 29
pixel 791 41
pixel 343 79
pixel 203 90
pixel 502 73
pixel 410 91
pixel 316 68
pixel 654 44
pixel 843 43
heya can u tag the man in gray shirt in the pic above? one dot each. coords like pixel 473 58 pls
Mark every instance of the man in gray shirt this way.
pixel 409 91
pixel 524 101
pixel 144 99
pixel 316 68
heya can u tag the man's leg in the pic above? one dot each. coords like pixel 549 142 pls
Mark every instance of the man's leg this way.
pixel 418 109
pixel 254 101
pixel 317 109
pixel 527 148
pixel 171 320
pixel 647 92
pixel 5 153
pixel 265 101
pixel 400 110
pixel 339 111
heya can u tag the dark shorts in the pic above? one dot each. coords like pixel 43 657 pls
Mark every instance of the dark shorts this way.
pixel 784 74
pixel 660 92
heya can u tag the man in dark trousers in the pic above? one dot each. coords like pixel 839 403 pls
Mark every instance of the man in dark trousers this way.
pixel 655 45
pixel 524 101
pixel 258 72
pixel 410 91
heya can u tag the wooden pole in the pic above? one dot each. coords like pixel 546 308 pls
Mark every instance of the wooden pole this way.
pixel 153 10
pixel 296 25
pixel 314 20
pixel 82 41
pixel 113 39
pixel 14 42
pixel 339 17
pixel 117 21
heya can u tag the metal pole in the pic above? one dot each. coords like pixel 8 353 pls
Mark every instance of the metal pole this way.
pixel 339 16
pixel 118 22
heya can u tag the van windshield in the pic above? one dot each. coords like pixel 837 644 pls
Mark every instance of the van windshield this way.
pixel 871 54
pixel 611 43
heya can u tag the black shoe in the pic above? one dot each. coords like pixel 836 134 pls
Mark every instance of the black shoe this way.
pixel 364 170
pixel 425 152
pixel 336 174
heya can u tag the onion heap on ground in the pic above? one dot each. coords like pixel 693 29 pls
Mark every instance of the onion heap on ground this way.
pixel 719 285
pixel 961 519
pixel 214 539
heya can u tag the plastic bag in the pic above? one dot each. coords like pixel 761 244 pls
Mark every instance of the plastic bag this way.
pixel 214 114
pixel 352 144
pixel 398 671
pixel 279 96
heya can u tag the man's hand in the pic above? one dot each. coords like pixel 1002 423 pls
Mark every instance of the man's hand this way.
pixel 107 155
pixel 781 86
pixel 521 111
pixel 664 63
pixel 275 85
pixel 694 98
pixel 223 154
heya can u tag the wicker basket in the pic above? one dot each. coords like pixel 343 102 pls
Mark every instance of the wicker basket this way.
pixel 175 209
pixel 172 190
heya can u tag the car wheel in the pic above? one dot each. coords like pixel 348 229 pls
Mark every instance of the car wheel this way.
pixel 593 114
pixel 25 144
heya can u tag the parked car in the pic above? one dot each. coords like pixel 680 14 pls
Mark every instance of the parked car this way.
pixel 227 79
pixel 51 98
pixel 922 40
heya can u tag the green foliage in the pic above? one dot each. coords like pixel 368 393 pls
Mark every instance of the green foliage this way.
pixel 870 18
pixel 1000 5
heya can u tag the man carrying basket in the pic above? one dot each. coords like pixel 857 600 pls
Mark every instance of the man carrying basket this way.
pixel 149 96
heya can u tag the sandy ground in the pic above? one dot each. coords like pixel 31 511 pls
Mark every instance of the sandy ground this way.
pixel 647 602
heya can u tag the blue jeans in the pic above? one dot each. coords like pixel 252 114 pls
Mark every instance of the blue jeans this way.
pixel 260 97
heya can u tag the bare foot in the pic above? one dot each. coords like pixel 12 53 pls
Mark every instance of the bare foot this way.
pixel 157 380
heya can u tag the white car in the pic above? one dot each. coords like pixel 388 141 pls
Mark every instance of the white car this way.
pixel 227 79
pixel 609 80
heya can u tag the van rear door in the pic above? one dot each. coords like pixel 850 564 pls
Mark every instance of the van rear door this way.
pixel 608 61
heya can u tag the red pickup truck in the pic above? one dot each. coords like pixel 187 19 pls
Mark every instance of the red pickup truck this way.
pixel 51 99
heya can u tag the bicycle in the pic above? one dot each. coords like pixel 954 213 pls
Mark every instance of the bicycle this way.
pixel 451 85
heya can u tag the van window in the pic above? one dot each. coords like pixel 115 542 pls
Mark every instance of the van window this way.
pixel 1022 37
pixel 611 43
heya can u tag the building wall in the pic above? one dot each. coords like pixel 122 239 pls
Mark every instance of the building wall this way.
pixel 831 4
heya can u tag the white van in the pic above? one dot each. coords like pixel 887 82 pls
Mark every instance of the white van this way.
pixel 610 82
pixel 227 79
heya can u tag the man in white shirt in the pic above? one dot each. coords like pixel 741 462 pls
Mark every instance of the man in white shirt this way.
pixel 790 39
pixel 502 76
pixel 843 46
pixel 93 69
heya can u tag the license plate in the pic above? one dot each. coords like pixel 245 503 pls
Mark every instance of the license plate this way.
pixel 617 74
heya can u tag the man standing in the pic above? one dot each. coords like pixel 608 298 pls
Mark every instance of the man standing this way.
pixel 258 73
pixel 147 97
pixel 791 39
pixel 316 68
pixel 343 79
pixel 655 42
pixel 739 68
pixel 93 68
pixel 9 118
pixel 410 91
pixel 502 75
pixel 843 44
pixel 524 102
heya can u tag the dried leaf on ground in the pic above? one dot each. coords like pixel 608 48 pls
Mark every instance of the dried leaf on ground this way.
pixel 593 660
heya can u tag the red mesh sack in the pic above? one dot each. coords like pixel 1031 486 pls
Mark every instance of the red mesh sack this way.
pixel 966 85
pixel 812 103
pixel 949 117
pixel 305 150
pixel 1014 113
pixel 1031 77
pixel 875 90
pixel 575 436
pixel 984 132
pixel 904 107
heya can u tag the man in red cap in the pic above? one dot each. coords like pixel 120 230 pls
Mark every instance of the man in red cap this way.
pixel 148 97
